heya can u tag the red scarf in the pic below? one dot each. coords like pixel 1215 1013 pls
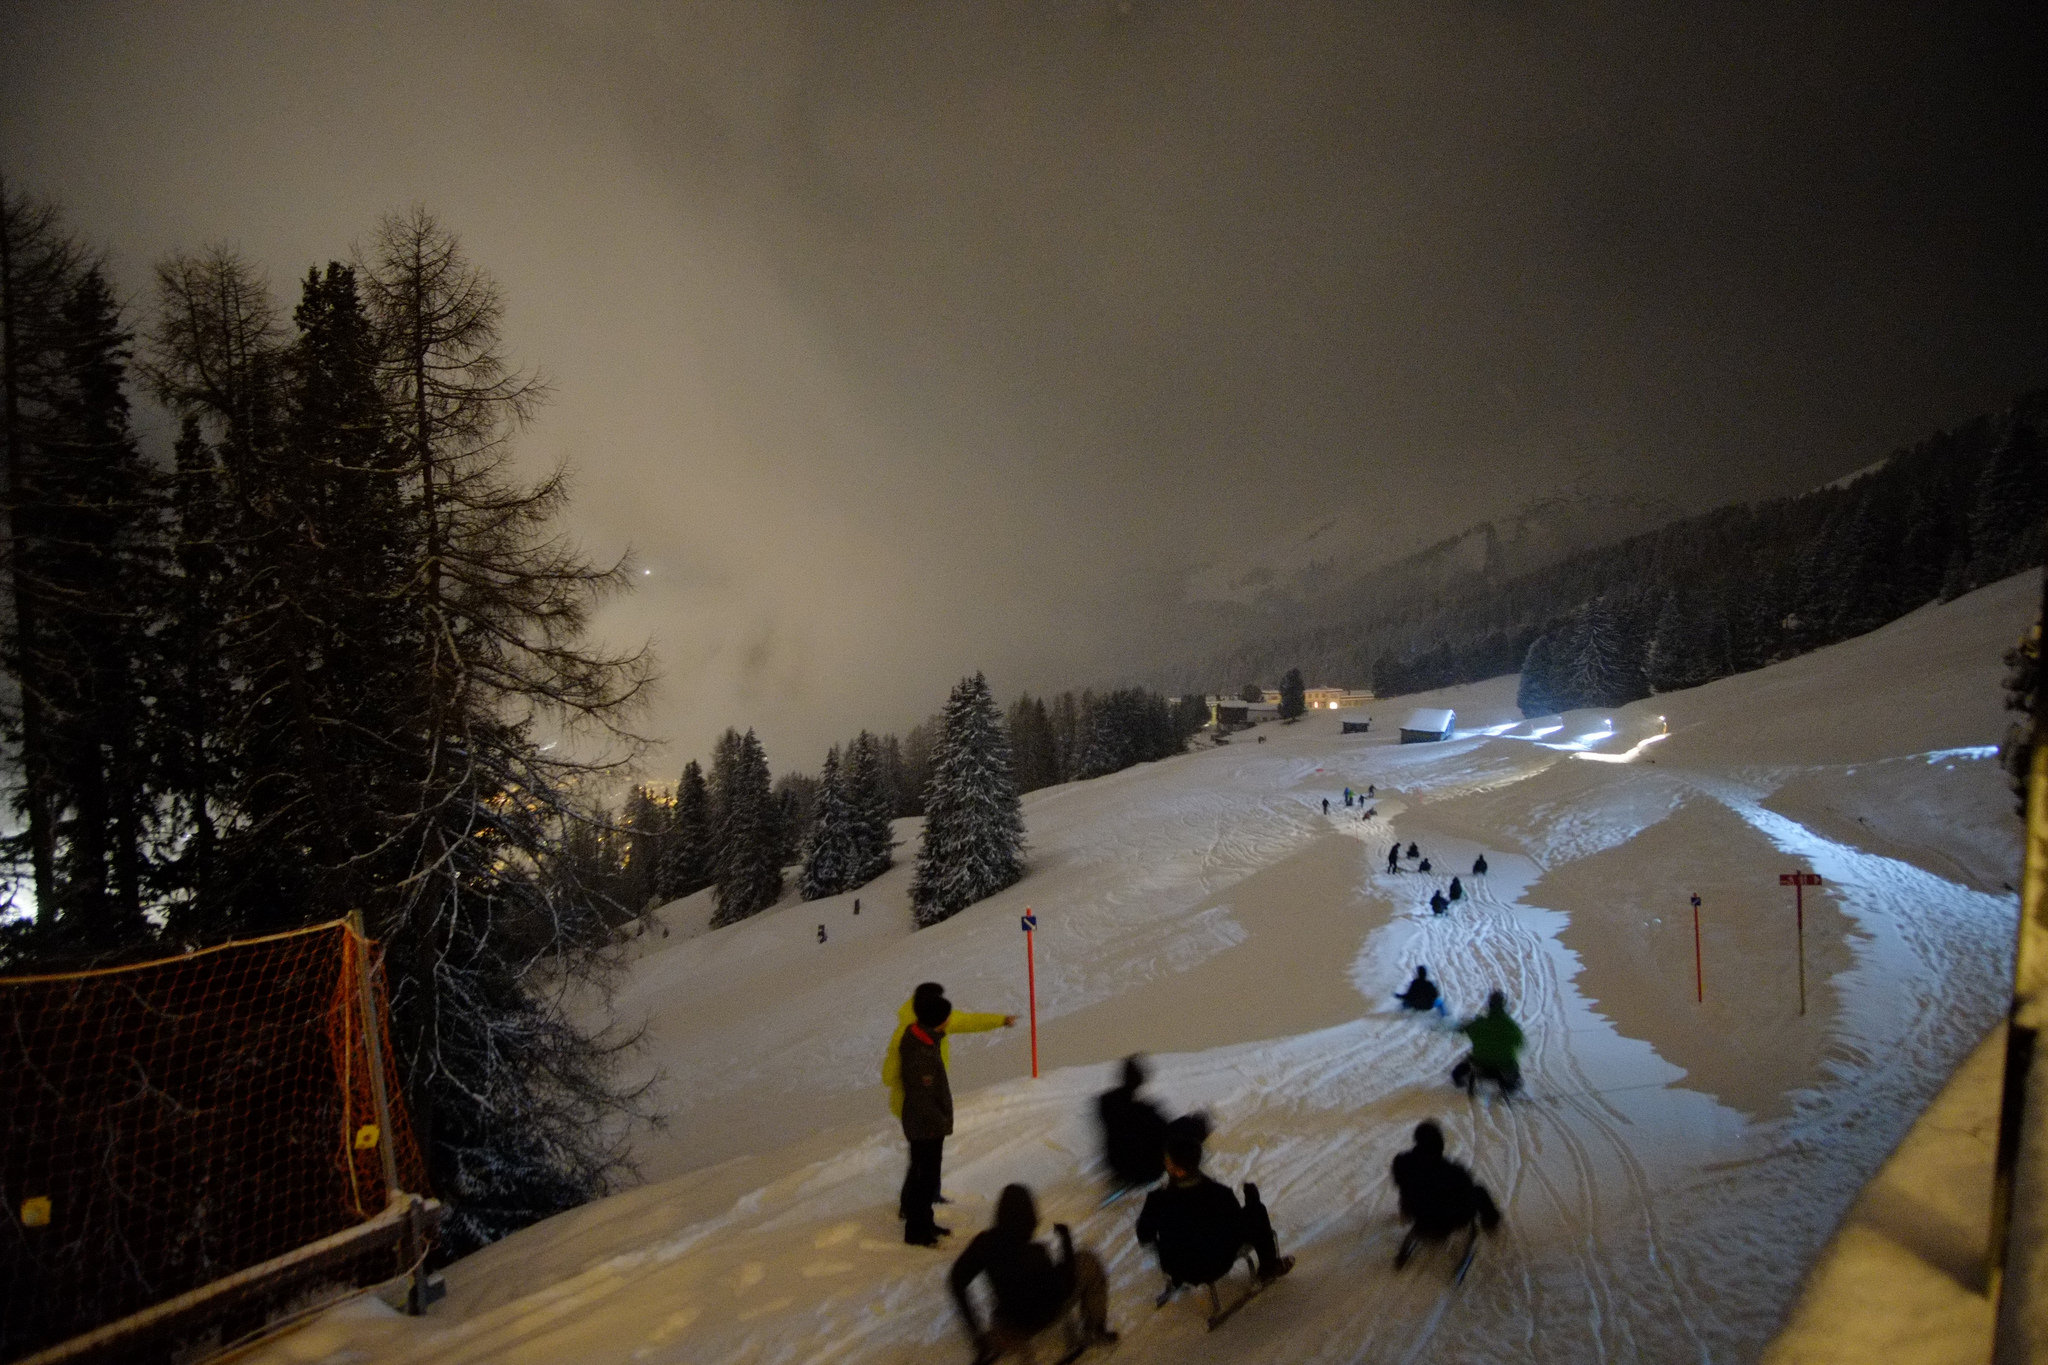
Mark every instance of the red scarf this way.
pixel 922 1036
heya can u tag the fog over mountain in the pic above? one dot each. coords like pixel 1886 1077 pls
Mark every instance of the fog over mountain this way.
pixel 901 340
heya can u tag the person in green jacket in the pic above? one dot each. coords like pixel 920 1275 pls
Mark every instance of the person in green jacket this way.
pixel 1496 1050
pixel 962 1021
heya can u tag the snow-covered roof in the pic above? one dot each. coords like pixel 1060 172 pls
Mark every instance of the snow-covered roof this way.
pixel 1430 720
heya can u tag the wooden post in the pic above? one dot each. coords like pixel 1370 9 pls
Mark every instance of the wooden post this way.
pixel 1799 881
pixel 366 999
pixel 1699 975
pixel 1031 985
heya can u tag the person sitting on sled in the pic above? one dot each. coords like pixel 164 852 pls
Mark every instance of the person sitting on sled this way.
pixel 1439 1197
pixel 1031 1290
pixel 1421 994
pixel 1496 1049
pixel 1198 1228
pixel 1133 1130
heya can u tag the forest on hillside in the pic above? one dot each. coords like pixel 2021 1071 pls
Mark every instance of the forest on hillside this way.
pixel 1718 593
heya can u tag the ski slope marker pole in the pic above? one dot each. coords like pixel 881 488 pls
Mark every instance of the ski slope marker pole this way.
pixel 1031 985
pixel 1699 976
pixel 1799 881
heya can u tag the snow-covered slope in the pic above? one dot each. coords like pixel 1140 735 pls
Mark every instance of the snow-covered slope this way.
pixel 1675 1166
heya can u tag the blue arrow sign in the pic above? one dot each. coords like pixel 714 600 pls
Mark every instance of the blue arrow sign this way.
pixel 1030 921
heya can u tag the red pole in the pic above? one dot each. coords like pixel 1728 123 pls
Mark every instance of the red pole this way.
pixel 1031 980
pixel 1699 975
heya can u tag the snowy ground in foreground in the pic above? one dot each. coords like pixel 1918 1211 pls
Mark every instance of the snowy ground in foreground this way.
pixel 1672 1173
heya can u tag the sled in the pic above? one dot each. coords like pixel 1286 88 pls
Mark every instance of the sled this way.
pixel 1218 1314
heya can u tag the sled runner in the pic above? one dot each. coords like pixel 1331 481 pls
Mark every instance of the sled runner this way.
pixel 1218 1313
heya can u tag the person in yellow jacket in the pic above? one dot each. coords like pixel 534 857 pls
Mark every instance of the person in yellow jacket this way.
pixel 958 1021
pixel 962 1021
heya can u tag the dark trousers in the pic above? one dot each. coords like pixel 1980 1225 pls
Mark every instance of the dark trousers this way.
pixel 921 1187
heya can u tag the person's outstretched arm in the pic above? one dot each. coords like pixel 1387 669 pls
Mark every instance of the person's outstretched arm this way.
pixel 967 1021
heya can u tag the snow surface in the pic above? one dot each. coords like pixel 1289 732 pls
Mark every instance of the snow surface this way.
pixel 1672 1173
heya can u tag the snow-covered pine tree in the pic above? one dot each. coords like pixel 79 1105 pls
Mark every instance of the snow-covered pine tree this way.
pixel 685 854
pixel 830 853
pixel 748 839
pixel 871 804
pixel 974 826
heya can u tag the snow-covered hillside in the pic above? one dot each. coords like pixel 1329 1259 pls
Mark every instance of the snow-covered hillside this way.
pixel 1671 1173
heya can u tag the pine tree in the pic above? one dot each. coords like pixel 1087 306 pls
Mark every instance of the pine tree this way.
pixel 1292 695
pixel 749 868
pixel 1539 692
pixel 84 560
pixel 831 853
pixel 107 574
pixel 974 827
pixel 686 854
pixel 871 806
pixel 1031 743
pixel 1068 736
pixel 2011 499
pixel 644 830
pixel 38 264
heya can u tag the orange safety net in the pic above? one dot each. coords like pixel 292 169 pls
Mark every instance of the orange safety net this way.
pixel 172 1122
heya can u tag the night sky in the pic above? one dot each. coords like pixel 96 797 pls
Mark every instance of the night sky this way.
pixel 903 339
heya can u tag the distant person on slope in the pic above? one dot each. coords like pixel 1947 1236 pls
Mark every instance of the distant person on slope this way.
pixel 1439 1197
pixel 1413 851
pixel 1133 1130
pixel 1326 805
pixel 1198 1228
pixel 1496 1049
pixel 1394 858
pixel 1479 866
pixel 1437 903
pixel 1031 1290
pixel 927 1117
pixel 1457 892
pixel 1421 993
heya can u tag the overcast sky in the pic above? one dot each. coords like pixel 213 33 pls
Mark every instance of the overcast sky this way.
pixel 903 339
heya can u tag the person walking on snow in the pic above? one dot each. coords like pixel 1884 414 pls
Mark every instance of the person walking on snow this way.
pixel 927 1118
pixel 1326 805
pixel 1479 866
pixel 1421 994
pixel 1371 790
pixel 821 933
pixel 1496 1049
pixel 1439 1197
pixel 1031 1290
pixel 963 1021
pixel 1457 891
pixel 1198 1228
pixel 1394 858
